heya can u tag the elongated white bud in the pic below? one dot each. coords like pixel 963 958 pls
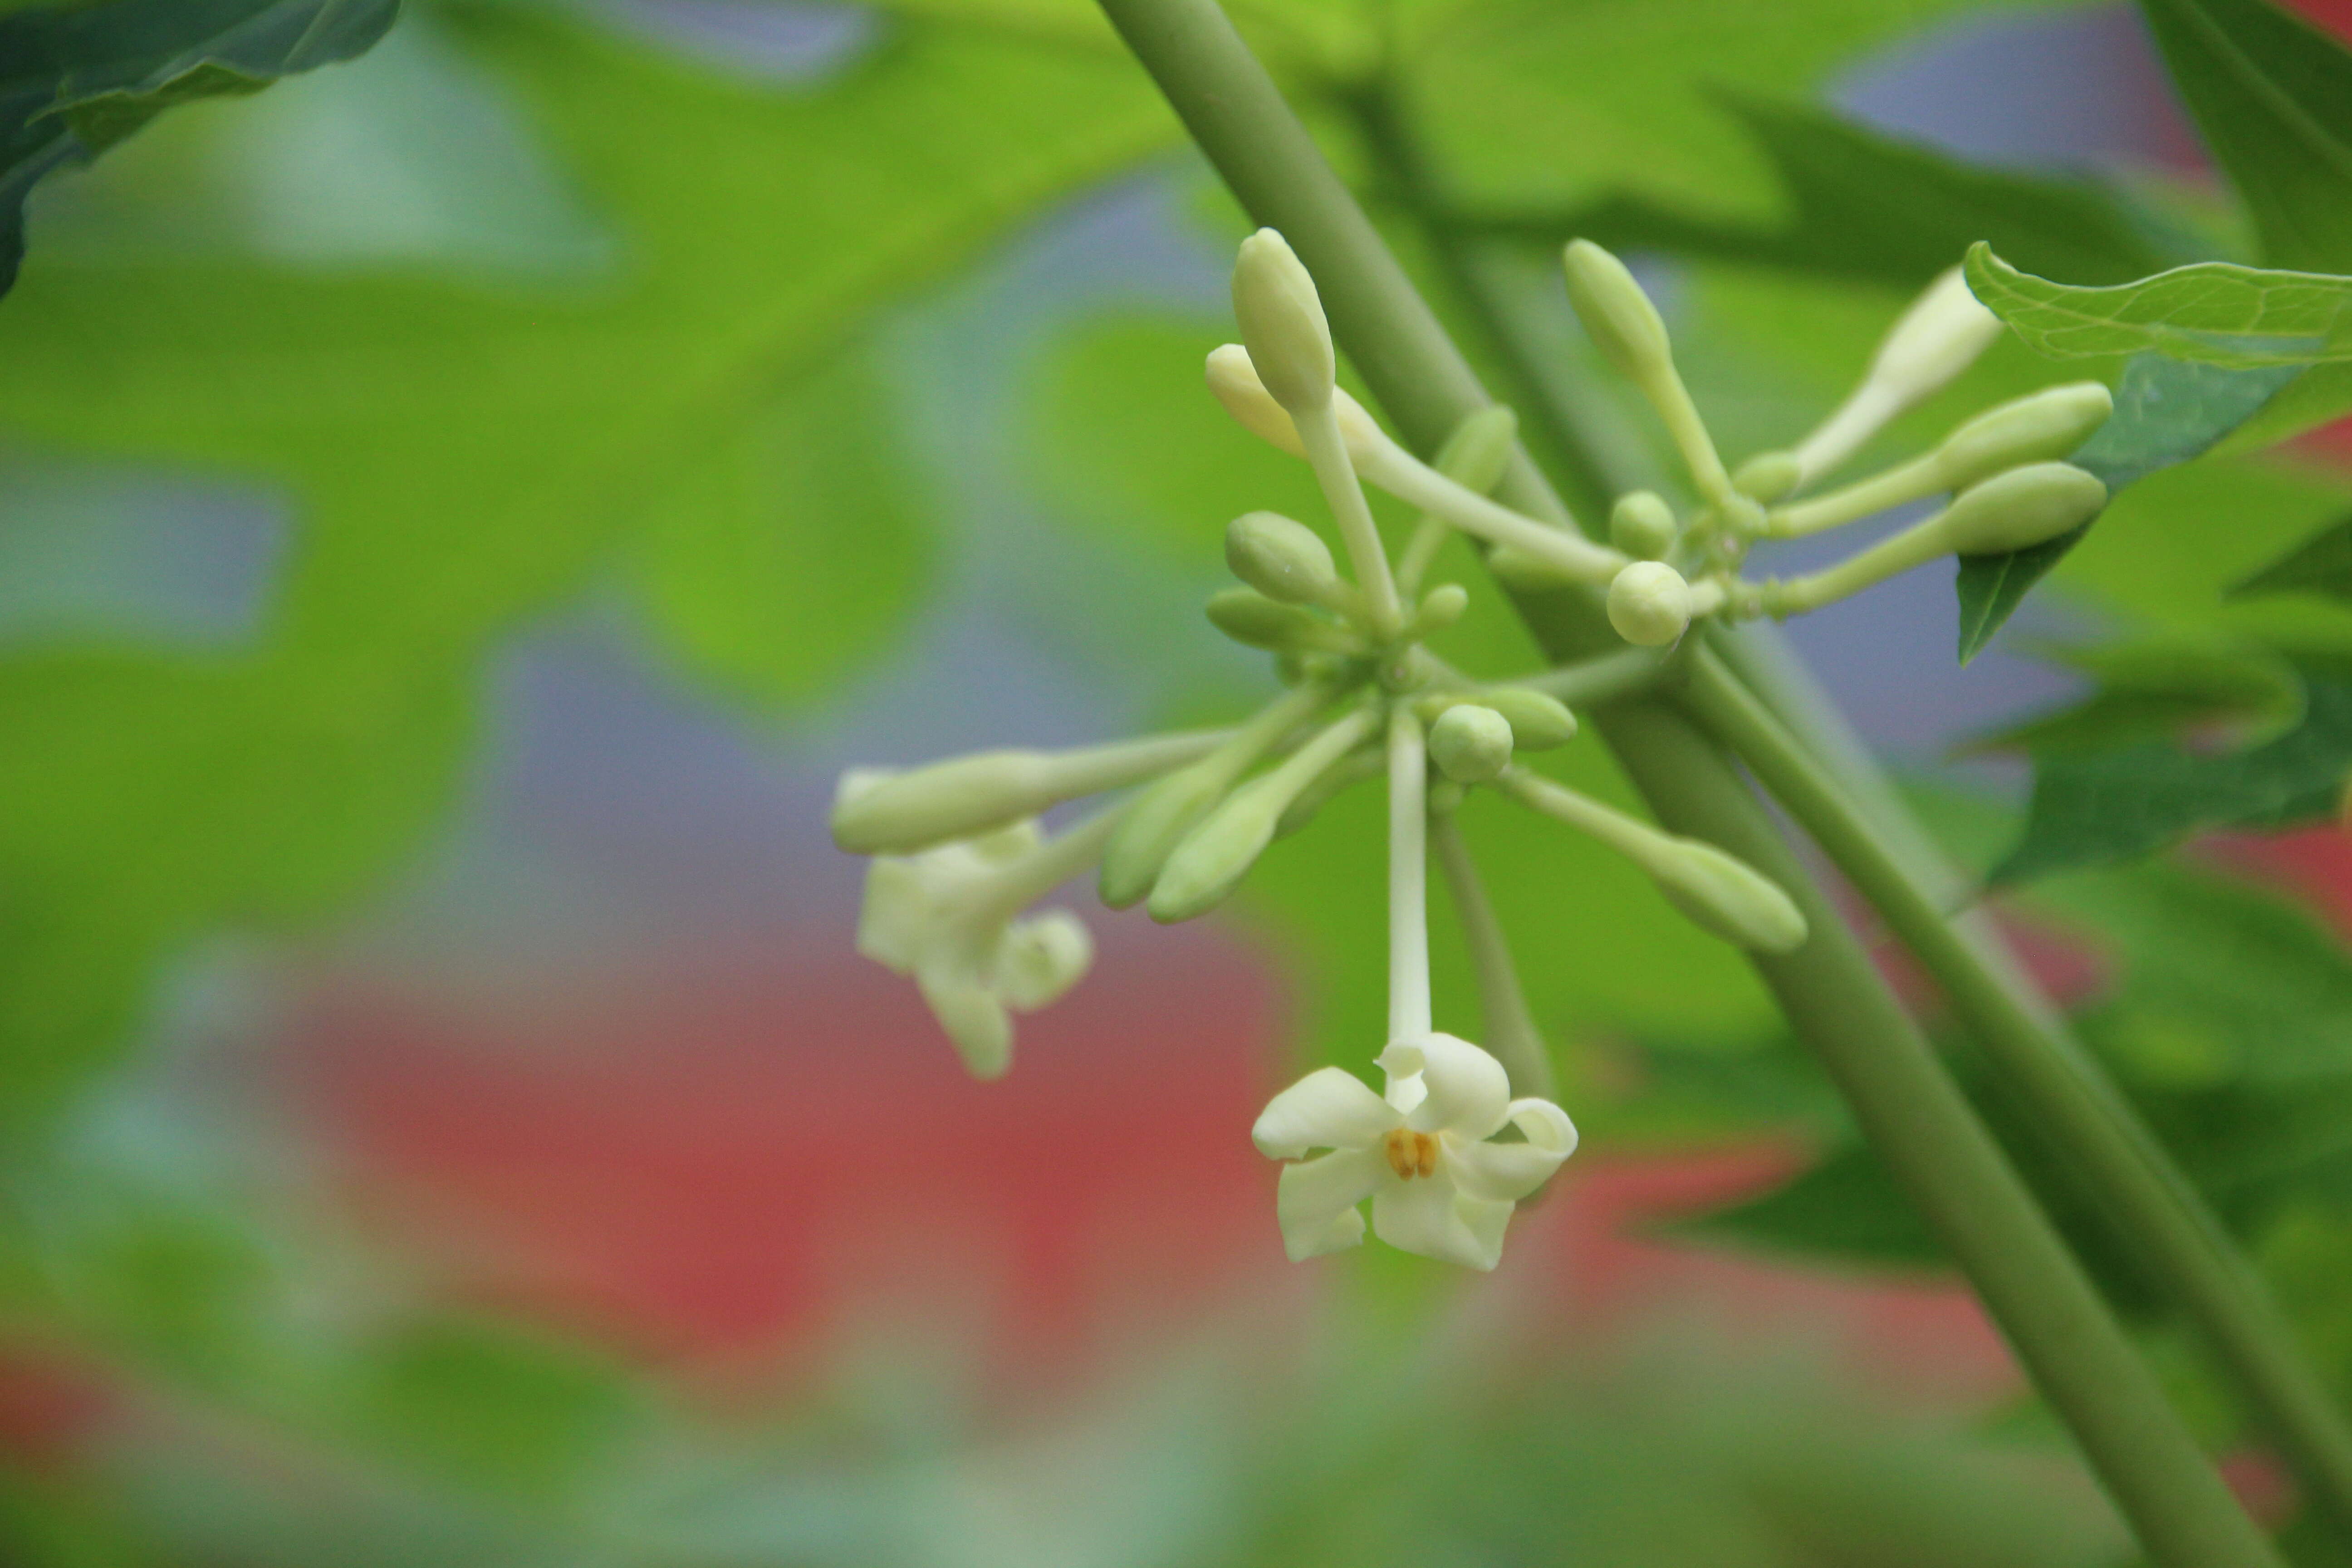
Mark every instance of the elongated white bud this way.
pixel 1249 617
pixel 1649 604
pixel 1282 322
pixel 1154 825
pixel 1941 334
pixel 2046 425
pixel 1282 558
pixel 1768 475
pixel 1725 895
pixel 1214 857
pixel 1539 722
pixel 1471 743
pixel 1354 768
pixel 1234 381
pixel 879 811
pixel 1643 525
pixel 2021 509
pixel 1617 315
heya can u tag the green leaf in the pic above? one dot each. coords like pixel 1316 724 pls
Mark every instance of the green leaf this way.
pixel 2320 564
pixel 2212 312
pixel 2112 805
pixel 1846 1206
pixel 1865 205
pixel 2154 689
pixel 2272 93
pixel 2166 411
pixel 78 81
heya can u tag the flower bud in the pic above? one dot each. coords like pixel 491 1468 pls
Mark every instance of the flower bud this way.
pixel 1281 558
pixel 2050 423
pixel 1351 770
pixel 1479 450
pixel 1726 896
pixel 1643 525
pixel 1282 322
pixel 881 812
pixel 1214 857
pixel 1234 381
pixel 1041 957
pixel 1940 336
pixel 1539 722
pixel 1768 475
pixel 1153 825
pixel 1441 607
pixel 1617 315
pixel 1249 617
pixel 1470 743
pixel 1649 604
pixel 2021 509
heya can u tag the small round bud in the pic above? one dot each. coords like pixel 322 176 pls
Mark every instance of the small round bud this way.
pixel 1441 607
pixel 1649 604
pixel 1281 558
pixel 1251 620
pixel 1617 315
pixel 1283 323
pixel 1940 336
pixel 1471 744
pixel 2050 423
pixel 1539 722
pixel 1727 895
pixel 1480 448
pixel 2021 509
pixel 1768 475
pixel 1643 525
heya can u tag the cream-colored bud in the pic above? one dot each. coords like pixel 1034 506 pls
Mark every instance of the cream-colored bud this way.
pixel 2021 509
pixel 1214 857
pixel 1153 827
pixel 1768 475
pixel 1617 315
pixel 1283 323
pixel 1234 381
pixel 1249 617
pixel 879 813
pixel 1940 336
pixel 1649 604
pixel 1643 525
pixel 1351 770
pixel 1282 558
pixel 1441 607
pixel 2050 423
pixel 1041 957
pixel 1539 722
pixel 1475 455
pixel 1726 896
pixel 1471 743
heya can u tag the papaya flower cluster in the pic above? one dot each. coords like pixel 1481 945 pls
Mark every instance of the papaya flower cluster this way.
pixel 1459 1134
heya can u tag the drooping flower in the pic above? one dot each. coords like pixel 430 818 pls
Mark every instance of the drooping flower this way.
pixel 1424 1153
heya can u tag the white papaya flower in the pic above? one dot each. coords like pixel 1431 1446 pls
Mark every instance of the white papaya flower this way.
pixel 1424 1154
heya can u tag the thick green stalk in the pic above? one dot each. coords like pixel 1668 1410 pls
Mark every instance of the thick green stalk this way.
pixel 1903 1097
pixel 2160 1213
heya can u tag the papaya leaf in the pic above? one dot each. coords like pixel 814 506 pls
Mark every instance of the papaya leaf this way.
pixel 75 82
pixel 2320 564
pixel 2153 690
pixel 2273 94
pixel 2213 312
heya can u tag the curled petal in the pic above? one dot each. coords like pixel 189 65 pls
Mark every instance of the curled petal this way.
pixel 1422 1216
pixel 1467 1092
pixel 1327 1109
pixel 973 1017
pixel 1315 1201
pixel 896 920
pixel 1041 958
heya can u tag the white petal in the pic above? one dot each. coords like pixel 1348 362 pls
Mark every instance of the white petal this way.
pixel 1315 1201
pixel 1506 1173
pixel 1040 959
pixel 1468 1091
pixel 1327 1109
pixel 1484 1221
pixel 1421 1216
pixel 896 921
pixel 973 1017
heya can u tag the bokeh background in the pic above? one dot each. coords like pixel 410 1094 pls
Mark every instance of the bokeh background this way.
pixel 458 512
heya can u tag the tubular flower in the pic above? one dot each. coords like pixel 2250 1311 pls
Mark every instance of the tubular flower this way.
pixel 941 918
pixel 1422 1154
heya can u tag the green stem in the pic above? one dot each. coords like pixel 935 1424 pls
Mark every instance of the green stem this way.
pixel 2159 1213
pixel 1903 1097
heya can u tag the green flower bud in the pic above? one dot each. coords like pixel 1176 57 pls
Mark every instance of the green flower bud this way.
pixel 1234 381
pixel 1726 896
pixel 1619 317
pixel 2048 424
pixel 1348 771
pixel 1283 323
pixel 1649 604
pixel 1940 336
pixel 1152 827
pixel 1441 607
pixel 1768 475
pixel 1643 525
pixel 1249 617
pixel 1480 448
pixel 1470 743
pixel 1214 857
pixel 1539 722
pixel 2021 509
pixel 1281 558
